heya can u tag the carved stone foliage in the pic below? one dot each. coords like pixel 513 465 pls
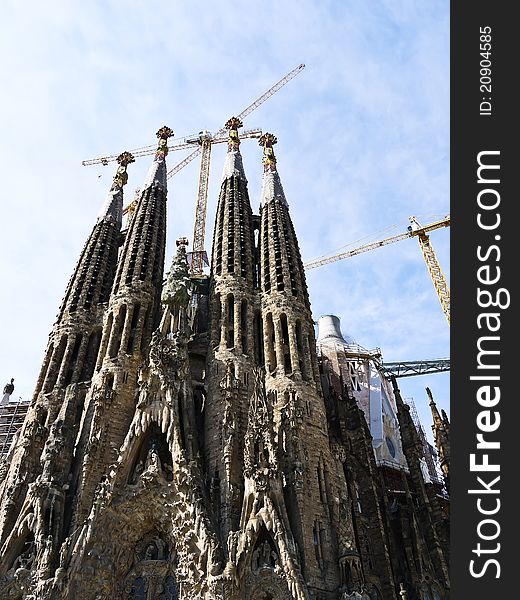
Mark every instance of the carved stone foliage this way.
pixel 260 460
pixel 178 287
pixel 167 357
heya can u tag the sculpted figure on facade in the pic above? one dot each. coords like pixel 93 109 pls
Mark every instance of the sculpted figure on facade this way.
pixel 185 439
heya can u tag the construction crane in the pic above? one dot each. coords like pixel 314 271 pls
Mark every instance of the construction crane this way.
pixel 414 230
pixel 180 144
pixel 204 140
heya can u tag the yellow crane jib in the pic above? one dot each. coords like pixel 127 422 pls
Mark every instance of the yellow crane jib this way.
pixel 415 229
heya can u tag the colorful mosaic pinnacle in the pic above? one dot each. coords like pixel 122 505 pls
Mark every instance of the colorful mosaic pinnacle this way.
pixel 121 176
pixel 269 159
pixel 163 134
pixel 233 124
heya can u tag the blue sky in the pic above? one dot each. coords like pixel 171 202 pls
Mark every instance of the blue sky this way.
pixel 363 136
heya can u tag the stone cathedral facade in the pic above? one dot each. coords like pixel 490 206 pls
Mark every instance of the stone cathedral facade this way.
pixel 188 439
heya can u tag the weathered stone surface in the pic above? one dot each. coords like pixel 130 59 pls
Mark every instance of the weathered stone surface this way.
pixel 186 441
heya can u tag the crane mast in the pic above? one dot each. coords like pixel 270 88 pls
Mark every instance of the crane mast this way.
pixel 199 229
pixel 436 274
pixel 434 268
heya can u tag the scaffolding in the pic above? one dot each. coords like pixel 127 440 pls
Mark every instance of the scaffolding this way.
pixel 429 453
pixel 12 416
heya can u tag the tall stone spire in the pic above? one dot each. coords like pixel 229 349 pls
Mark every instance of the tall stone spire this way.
pixel 41 463
pixel 271 185
pixel 94 273
pixel 311 477
pixel 289 348
pixel 112 209
pixel 233 240
pixel 230 360
pixel 133 312
pixel 441 435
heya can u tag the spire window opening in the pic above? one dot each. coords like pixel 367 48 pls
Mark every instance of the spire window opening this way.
pixel 285 342
pixel 122 256
pixel 255 254
pixel 158 260
pixel 105 340
pixel 230 337
pixel 148 243
pixel 137 240
pixel 45 368
pixel 277 254
pixel 73 361
pixel 218 260
pixel 322 485
pixel 312 355
pixel 299 348
pixel 90 295
pixel 243 326
pixel 94 342
pixel 290 243
pixel 271 352
pixel 256 272
pixel 115 342
pixel 243 236
pixel 55 365
pixel 318 542
pixel 218 319
pixel 86 260
pixel 231 233
pixel 95 274
pixel 109 264
pixel 259 338
pixel 133 328
pixel 265 258
pixel 231 257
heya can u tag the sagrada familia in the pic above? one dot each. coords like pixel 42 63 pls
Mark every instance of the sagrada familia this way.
pixel 190 438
